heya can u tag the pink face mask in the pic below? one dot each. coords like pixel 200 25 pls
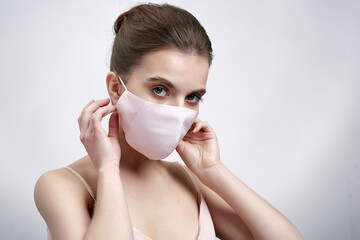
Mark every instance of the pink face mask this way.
pixel 150 128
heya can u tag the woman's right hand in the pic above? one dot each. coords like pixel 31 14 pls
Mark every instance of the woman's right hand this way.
pixel 103 148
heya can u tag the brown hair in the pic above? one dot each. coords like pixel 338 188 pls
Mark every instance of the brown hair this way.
pixel 150 27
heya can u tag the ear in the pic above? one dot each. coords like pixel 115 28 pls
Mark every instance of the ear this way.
pixel 114 87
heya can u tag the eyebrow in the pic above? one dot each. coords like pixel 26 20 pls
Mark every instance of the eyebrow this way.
pixel 201 91
pixel 162 80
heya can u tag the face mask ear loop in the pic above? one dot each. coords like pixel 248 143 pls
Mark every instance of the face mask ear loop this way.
pixel 122 82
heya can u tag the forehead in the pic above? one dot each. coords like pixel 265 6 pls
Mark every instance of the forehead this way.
pixel 182 69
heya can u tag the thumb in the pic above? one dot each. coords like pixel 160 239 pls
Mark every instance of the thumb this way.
pixel 180 147
pixel 114 126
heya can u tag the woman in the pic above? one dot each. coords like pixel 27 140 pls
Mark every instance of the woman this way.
pixel 122 189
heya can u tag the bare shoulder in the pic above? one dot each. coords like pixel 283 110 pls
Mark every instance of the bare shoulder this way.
pixel 60 197
pixel 52 183
pixel 58 180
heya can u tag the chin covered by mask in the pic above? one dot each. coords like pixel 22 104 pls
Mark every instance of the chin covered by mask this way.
pixel 153 129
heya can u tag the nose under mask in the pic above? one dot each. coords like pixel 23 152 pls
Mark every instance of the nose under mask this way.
pixel 152 129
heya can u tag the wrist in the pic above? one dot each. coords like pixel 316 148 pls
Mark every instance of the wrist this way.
pixel 209 175
pixel 110 166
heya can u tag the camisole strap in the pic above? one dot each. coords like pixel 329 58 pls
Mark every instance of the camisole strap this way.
pixel 206 225
pixel 83 181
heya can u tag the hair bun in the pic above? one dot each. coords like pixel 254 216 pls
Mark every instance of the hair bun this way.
pixel 118 22
pixel 149 27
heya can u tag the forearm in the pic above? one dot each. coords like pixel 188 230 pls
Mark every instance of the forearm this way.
pixel 111 219
pixel 263 221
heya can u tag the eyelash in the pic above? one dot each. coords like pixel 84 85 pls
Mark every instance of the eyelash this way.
pixel 159 87
pixel 200 99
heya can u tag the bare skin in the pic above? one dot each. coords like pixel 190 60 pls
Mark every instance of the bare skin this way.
pixel 177 197
pixel 153 196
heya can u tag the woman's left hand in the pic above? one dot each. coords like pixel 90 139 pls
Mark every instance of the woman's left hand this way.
pixel 199 148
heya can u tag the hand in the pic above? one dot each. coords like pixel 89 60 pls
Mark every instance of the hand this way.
pixel 102 148
pixel 199 148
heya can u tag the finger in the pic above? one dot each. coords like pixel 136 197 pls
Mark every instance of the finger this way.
pixel 86 106
pixel 197 120
pixel 114 126
pixel 196 124
pixel 202 126
pixel 98 115
pixel 96 105
pixel 88 111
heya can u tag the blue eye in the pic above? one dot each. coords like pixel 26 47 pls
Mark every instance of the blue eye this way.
pixel 194 98
pixel 160 91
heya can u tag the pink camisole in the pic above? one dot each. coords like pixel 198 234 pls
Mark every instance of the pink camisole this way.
pixel 206 227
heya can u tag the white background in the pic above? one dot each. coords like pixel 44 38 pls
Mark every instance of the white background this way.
pixel 283 98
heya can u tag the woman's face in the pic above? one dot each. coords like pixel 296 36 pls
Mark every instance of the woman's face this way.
pixel 170 77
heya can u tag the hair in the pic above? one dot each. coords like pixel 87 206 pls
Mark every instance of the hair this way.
pixel 151 27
